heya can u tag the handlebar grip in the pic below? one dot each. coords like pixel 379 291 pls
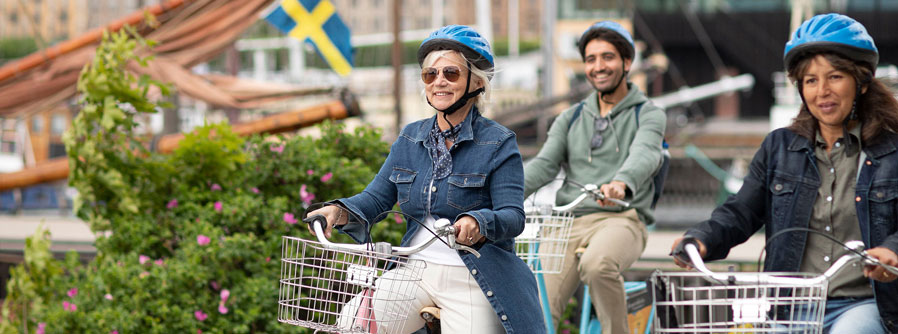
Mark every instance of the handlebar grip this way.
pixel 315 218
pixel 679 252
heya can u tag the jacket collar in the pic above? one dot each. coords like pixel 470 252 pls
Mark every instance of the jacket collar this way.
pixel 883 147
pixel 466 132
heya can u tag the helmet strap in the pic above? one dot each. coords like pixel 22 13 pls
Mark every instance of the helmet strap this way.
pixel 461 102
pixel 616 86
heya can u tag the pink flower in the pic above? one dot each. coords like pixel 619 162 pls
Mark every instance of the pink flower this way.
pixel 268 259
pixel 289 218
pixel 159 262
pixel 200 316
pixel 327 177
pixel 215 285
pixel 41 327
pixel 69 306
pixel 305 196
pixel 218 206
pixel 222 309
pixel 215 187
pixel 172 204
pixel 108 296
pixel 310 172
pixel 143 259
pixel 113 332
pixel 255 190
pixel 202 240
pixel 72 293
pixel 144 274
pixel 225 294
pixel 199 331
pixel 278 149
pixel 399 219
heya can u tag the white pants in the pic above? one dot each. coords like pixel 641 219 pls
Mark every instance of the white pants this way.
pixel 463 307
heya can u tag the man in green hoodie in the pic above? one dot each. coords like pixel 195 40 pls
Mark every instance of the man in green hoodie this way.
pixel 613 138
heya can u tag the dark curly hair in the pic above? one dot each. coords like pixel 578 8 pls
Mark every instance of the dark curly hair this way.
pixel 877 109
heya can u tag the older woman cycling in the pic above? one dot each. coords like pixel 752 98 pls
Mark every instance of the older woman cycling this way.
pixel 833 173
pixel 464 167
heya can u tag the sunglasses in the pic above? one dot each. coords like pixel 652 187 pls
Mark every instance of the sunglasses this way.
pixel 597 139
pixel 451 73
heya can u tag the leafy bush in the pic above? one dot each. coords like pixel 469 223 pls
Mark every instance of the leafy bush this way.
pixel 187 242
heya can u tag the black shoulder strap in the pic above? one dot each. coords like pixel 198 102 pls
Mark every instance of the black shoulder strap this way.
pixel 576 115
pixel 638 108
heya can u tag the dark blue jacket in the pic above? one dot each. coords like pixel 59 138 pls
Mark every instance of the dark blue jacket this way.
pixel 779 192
pixel 486 183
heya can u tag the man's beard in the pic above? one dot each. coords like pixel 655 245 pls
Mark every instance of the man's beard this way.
pixel 613 82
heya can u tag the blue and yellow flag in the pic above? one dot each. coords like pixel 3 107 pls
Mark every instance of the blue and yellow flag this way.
pixel 316 21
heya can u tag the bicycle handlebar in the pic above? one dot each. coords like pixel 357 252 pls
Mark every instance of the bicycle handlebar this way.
pixel 443 229
pixel 689 246
pixel 589 190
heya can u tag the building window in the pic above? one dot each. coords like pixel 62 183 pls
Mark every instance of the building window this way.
pixel 37 124
pixel 14 18
pixel 58 124
pixel 63 17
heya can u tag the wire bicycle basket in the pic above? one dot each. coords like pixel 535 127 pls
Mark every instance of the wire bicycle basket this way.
pixel 345 291
pixel 543 243
pixel 691 302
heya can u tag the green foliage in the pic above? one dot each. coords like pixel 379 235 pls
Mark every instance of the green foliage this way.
pixel 12 48
pixel 178 230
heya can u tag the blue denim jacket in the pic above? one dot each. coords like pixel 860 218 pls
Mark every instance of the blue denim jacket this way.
pixel 779 192
pixel 486 183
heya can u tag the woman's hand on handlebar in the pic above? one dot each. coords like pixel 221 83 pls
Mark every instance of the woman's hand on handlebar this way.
pixel 613 189
pixel 467 231
pixel 701 249
pixel 885 256
pixel 334 216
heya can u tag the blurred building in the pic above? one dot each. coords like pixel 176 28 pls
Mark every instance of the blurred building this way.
pixel 373 16
pixel 56 20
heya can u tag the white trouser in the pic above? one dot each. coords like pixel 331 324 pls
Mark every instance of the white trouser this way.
pixel 463 307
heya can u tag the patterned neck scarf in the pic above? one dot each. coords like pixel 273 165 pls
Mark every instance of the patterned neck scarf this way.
pixel 442 160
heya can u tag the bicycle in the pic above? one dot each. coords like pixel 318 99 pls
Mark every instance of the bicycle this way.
pixel 542 246
pixel 351 288
pixel 743 302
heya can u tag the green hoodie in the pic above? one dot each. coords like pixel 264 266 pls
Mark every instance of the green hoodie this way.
pixel 629 153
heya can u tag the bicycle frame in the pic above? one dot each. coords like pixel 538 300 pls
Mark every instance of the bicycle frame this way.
pixel 335 287
pixel 588 191
pixel 742 302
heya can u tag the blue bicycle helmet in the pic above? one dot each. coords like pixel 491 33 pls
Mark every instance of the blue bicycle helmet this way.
pixel 592 31
pixel 831 33
pixel 462 39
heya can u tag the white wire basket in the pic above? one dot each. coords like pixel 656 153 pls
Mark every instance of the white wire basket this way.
pixel 543 243
pixel 688 302
pixel 341 291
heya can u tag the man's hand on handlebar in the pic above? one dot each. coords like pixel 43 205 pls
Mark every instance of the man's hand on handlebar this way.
pixel 682 259
pixel 334 216
pixel 885 256
pixel 613 189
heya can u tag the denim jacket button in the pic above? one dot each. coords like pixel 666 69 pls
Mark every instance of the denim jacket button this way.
pixel 474 272
pixel 879 194
pixel 778 187
pixel 489 293
pixel 433 189
pixel 504 317
pixel 869 163
pixel 857 199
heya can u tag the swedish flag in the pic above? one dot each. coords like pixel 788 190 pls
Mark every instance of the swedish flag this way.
pixel 316 21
